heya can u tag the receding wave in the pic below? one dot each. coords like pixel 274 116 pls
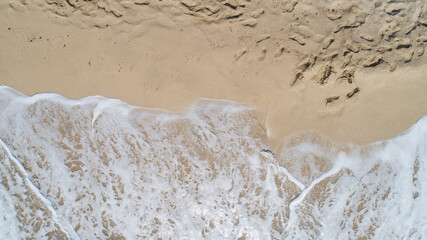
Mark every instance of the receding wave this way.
pixel 100 168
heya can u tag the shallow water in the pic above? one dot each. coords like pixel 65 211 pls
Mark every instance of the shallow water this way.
pixel 100 168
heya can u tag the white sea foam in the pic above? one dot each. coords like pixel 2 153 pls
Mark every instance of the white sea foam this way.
pixel 9 224
pixel 19 169
pixel 378 195
pixel 114 170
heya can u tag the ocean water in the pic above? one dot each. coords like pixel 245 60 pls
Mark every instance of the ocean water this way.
pixel 98 168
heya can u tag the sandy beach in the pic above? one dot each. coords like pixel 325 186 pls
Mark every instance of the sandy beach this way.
pixel 346 73
pixel 169 54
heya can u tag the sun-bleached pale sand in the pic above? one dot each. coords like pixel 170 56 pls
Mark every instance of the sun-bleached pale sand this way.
pixel 274 55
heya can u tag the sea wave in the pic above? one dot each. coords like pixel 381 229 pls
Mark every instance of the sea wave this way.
pixel 100 168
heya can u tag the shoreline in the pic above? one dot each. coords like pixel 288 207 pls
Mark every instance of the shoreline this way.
pixel 171 63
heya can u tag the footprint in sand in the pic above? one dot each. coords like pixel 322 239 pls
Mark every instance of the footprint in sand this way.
pixel 142 2
pixel 263 54
pixel 257 13
pixel 331 99
pixel 404 43
pixel 324 74
pixel 347 60
pixel 251 22
pixel 348 75
pixel 420 49
pixel 393 65
pixel 364 47
pixel 263 38
pixel 239 54
pixel 366 37
pixel 279 51
pixel 411 27
pixel 353 92
pixel 298 77
pixel 329 56
pixel 297 38
pixel 327 42
pixel 422 22
pixel 306 63
pixel 394 8
pixel 422 38
pixel 352 46
pixel 383 49
pixel 289 5
pixel 373 61
pixel 408 56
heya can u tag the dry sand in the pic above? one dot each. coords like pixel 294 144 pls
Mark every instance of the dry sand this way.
pixel 353 70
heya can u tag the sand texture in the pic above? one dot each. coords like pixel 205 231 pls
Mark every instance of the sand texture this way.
pixel 247 119
pixel 353 70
